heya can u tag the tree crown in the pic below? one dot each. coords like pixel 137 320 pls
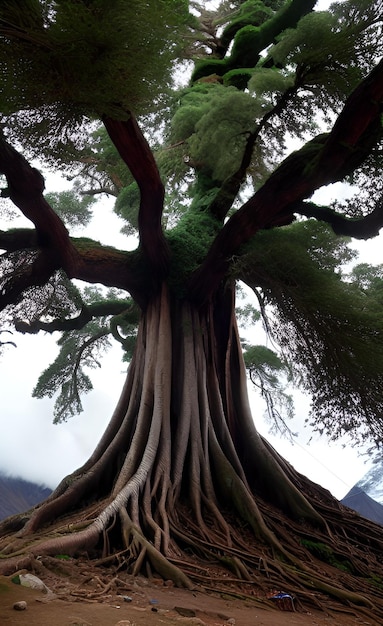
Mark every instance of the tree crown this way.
pixel 216 178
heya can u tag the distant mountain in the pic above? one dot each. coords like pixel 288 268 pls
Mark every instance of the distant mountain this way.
pixel 358 500
pixel 17 495
pixel 372 482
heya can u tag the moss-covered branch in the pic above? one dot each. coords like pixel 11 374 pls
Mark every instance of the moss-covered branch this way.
pixel 363 227
pixel 88 312
pixel 250 38
pixel 326 159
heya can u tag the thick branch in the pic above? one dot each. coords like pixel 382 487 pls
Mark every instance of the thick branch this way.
pixel 136 153
pixel 113 268
pixel 25 189
pixel 359 228
pixel 326 159
pixel 18 239
pixel 94 264
pixel 87 313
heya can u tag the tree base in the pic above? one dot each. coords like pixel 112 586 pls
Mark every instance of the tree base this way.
pixel 182 485
pixel 338 573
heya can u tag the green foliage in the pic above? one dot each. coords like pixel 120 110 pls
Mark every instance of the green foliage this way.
pixel 79 350
pixel 264 360
pixel 127 205
pixel 267 372
pixel 63 60
pixel 326 56
pixel 327 327
pixel 369 279
pixel 247 314
pixel 270 82
pixel 247 44
pixel 73 208
pixel 212 116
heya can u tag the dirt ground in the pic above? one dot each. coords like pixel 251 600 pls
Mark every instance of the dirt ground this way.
pixel 150 604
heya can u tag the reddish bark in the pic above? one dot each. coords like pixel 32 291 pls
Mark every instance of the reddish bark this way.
pixel 25 189
pixel 136 153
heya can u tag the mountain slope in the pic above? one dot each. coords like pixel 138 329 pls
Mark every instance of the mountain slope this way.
pixel 372 481
pixel 17 495
pixel 358 500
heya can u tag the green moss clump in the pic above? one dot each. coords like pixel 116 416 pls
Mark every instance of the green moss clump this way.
pixel 246 47
pixel 189 242
pixel 251 12
pixel 326 554
pixel 237 78
pixel 207 68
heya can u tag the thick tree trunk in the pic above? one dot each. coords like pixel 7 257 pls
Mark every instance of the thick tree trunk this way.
pixel 182 467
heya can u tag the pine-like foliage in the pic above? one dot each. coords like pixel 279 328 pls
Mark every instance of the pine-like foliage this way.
pixel 63 62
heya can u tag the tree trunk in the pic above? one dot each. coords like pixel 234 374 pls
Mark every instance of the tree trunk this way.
pixel 181 467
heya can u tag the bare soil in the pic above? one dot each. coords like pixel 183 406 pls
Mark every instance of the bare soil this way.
pixel 82 596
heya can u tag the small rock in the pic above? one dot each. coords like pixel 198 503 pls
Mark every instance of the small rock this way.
pixel 32 581
pixel 184 611
pixel 231 621
pixel 20 606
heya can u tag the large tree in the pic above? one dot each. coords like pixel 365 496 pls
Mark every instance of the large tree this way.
pixel 206 176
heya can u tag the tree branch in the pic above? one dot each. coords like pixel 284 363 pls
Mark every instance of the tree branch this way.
pixel 7 343
pixel 87 313
pixel 359 228
pixel 325 159
pixel 225 197
pixel 18 239
pixel 136 153
pixel 95 264
pixel 25 189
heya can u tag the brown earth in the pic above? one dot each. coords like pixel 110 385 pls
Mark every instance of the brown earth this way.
pixel 84 596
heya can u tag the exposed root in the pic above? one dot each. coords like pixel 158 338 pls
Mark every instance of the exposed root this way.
pixel 140 548
pixel 182 485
